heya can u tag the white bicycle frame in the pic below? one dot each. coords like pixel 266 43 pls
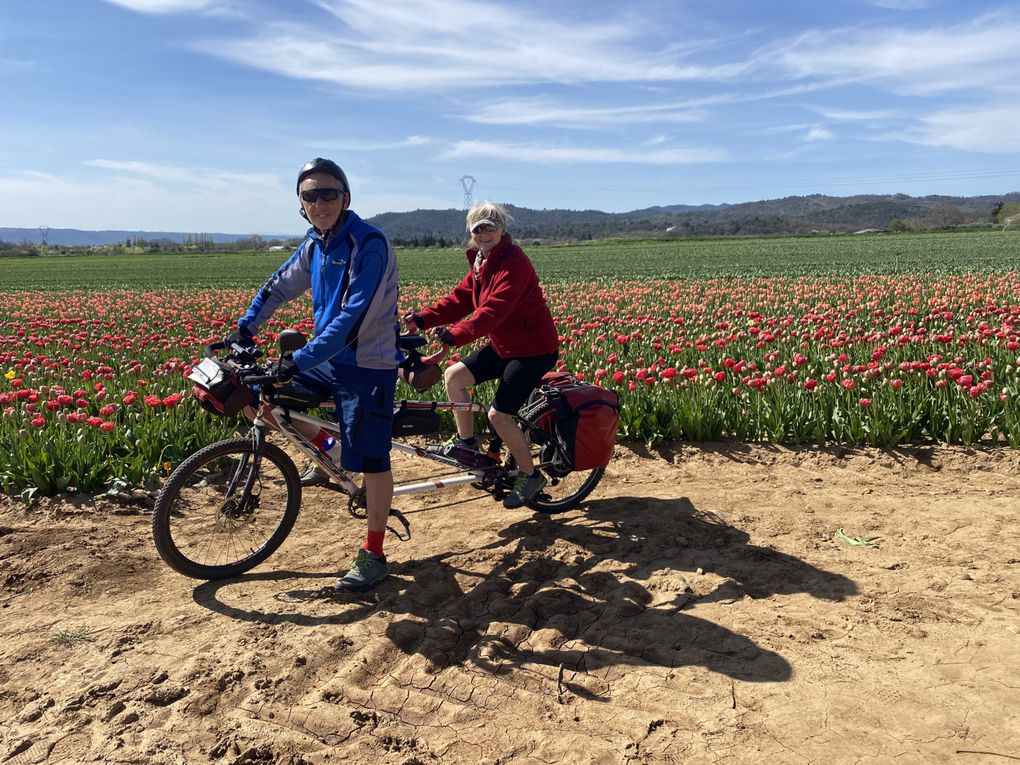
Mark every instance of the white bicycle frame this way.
pixel 281 419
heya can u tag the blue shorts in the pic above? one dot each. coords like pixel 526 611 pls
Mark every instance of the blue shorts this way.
pixel 364 410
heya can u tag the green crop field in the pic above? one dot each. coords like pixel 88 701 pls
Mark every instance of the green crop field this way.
pixel 869 339
pixel 938 252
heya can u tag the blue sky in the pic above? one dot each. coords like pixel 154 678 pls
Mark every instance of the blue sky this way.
pixel 194 115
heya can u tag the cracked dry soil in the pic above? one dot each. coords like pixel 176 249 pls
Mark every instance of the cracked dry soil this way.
pixel 699 608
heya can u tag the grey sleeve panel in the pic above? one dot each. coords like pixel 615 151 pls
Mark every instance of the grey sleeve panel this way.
pixel 290 281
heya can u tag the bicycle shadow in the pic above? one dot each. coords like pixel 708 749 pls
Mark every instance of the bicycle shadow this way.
pixel 613 585
pixel 604 605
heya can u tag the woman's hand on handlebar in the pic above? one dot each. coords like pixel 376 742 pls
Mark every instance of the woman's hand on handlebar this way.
pixel 412 321
pixel 444 335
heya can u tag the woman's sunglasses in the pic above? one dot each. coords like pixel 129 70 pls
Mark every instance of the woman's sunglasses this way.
pixel 311 196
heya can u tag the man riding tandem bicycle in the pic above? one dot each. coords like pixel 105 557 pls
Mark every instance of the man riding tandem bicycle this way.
pixel 230 505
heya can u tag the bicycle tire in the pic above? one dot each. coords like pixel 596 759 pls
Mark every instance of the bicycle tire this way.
pixel 566 489
pixel 206 536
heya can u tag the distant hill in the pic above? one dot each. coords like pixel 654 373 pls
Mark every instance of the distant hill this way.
pixel 789 215
pixel 73 237
pixel 448 224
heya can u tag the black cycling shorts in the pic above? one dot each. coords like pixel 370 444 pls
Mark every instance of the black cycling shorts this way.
pixel 517 376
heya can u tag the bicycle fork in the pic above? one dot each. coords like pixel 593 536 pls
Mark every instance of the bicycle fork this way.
pixel 248 468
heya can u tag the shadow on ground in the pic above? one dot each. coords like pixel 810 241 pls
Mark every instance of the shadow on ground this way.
pixel 611 585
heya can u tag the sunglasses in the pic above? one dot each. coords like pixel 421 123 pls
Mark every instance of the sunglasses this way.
pixel 485 227
pixel 311 196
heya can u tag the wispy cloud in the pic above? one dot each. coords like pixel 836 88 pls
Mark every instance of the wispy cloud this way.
pixel 165 6
pixel 194 177
pixel 345 144
pixel 150 197
pixel 521 152
pixel 989 130
pixel 16 65
pixel 918 61
pixel 860 115
pixel 901 5
pixel 541 111
pixel 419 45
pixel 819 134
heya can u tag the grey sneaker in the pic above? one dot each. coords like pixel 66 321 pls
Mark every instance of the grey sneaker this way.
pixel 366 572
pixel 526 487
pixel 456 449
pixel 313 475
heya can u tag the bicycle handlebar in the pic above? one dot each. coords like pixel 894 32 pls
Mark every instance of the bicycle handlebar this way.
pixel 436 357
pixel 254 375
pixel 257 375
pixel 259 379
pixel 210 350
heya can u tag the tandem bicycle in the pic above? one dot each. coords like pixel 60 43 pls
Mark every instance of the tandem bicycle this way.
pixel 229 506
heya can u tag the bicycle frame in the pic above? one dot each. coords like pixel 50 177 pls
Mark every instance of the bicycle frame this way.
pixel 282 420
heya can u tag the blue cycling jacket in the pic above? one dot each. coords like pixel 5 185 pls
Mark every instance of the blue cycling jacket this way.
pixel 353 279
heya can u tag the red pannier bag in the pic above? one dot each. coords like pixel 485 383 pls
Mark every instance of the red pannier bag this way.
pixel 587 418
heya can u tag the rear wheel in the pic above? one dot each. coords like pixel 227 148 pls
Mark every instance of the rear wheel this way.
pixel 225 509
pixel 565 488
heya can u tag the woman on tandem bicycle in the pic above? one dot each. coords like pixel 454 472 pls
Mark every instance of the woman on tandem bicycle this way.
pixel 501 293
pixel 231 504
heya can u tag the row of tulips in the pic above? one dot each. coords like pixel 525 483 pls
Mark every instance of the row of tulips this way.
pixel 93 389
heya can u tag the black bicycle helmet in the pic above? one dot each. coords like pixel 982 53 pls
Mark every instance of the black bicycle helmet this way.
pixel 320 165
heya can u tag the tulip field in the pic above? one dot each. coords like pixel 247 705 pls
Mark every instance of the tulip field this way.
pixel 94 395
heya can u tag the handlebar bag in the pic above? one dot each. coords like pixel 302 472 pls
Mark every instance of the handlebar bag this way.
pixel 218 387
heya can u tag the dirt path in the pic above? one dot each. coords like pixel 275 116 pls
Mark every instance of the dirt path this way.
pixel 699 609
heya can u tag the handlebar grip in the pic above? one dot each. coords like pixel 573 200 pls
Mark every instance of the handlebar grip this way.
pixel 210 350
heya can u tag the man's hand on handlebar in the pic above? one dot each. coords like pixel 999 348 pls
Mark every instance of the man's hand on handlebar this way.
pixel 241 337
pixel 285 370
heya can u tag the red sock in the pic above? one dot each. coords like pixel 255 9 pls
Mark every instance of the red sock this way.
pixel 374 542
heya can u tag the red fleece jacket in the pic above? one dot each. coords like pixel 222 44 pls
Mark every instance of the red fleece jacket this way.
pixel 507 305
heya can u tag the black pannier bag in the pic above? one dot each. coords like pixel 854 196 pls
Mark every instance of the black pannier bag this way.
pixel 413 418
pixel 218 388
pixel 294 395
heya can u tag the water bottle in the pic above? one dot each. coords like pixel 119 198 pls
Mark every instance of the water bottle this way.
pixel 328 445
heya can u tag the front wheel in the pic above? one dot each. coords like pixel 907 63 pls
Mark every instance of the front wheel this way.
pixel 225 509
pixel 565 488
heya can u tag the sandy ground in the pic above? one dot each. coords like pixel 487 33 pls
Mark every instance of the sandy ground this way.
pixel 699 608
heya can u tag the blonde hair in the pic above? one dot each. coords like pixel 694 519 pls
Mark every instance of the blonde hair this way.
pixel 488 211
